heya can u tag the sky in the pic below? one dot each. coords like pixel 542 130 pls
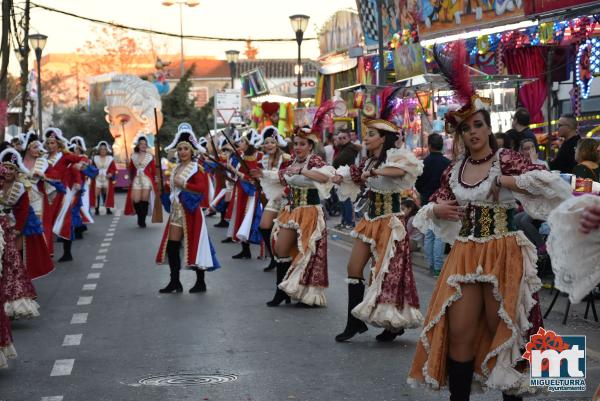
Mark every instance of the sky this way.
pixel 223 18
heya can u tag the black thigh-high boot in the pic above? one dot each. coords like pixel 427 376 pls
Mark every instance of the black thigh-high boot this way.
pixel 223 222
pixel 354 326
pixel 143 205
pixel 66 257
pixel 104 197
pixel 508 397
pixel 174 266
pixel 245 254
pixel 136 207
pixel 97 205
pixel 266 234
pixel 460 376
pixel 200 285
pixel 280 295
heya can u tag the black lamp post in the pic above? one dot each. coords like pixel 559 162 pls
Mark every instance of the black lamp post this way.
pixel 232 58
pixel 181 3
pixel 299 23
pixel 38 42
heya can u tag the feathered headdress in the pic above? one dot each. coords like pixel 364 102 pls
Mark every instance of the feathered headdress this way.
pixel 452 64
pixel 77 141
pixel 12 157
pixel 271 132
pixel 108 147
pixel 319 119
pixel 252 136
pixel 185 134
pixel 140 136
pixel 29 139
pixel 52 132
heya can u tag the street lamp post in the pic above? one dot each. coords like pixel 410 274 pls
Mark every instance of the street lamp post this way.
pixel 181 3
pixel 21 56
pixel 38 41
pixel 299 23
pixel 232 58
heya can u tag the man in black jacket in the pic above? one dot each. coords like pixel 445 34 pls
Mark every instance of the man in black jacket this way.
pixel 346 156
pixel 427 183
pixel 565 158
pixel 520 129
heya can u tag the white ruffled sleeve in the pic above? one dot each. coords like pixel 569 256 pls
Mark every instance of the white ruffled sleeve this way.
pixel 406 160
pixel 425 220
pixel 545 191
pixel 575 256
pixel 324 188
pixel 347 188
pixel 271 185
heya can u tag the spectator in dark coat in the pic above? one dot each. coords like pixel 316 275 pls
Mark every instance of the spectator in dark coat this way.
pixel 346 156
pixel 520 129
pixel 429 182
pixel 565 158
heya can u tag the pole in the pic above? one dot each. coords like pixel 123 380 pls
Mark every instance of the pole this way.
pixel 38 57
pixel 232 71
pixel 549 100
pixel 24 66
pixel 181 38
pixel 381 72
pixel 299 36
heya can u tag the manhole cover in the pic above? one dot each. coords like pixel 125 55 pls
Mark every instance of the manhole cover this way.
pixel 185 380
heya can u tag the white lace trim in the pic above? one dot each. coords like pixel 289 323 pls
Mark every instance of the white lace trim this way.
pixel 7 353
pixel 545 191
pixel 2 243
pixel 425 220
pixel 282 260
pixel 324 188
pixel 575 256
pixel 479 192
pixel 407 161
pixel 503 376
pixel 22 308
pixel 291 283
pixel 271 185
pixel 347 188
pixel 369 310
pixel 352 280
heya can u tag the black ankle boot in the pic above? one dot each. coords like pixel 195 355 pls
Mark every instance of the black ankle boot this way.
pixel 508 397
pixel 97 211
pixel 227 240
pixel 354 326
pixel 280 295
pixel 460 376
pixel 245 254
pixel 66 257
pixel 79 232
pixel 174 266
pixel 200 285
pixel 387 336
pixel 266 235
pixel 108 211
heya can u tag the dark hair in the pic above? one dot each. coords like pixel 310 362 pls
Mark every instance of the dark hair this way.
pixel 587 150
pixel 506 140
pixel 389 142
pixel 524 141
pixel 136 149
pixel 250 150
pixel 522 117
pixel 572 120
pixel 435 142
pixel 487 119
pixel 410 204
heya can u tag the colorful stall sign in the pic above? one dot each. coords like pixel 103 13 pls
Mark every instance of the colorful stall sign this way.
pixel 408 61
pixel 533 7
pixel 341 32
pixel 390 12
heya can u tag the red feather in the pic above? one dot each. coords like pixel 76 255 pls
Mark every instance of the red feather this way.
pixel 452 64
pixel 326 107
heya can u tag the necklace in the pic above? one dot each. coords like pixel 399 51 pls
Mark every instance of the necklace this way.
pixel 481 161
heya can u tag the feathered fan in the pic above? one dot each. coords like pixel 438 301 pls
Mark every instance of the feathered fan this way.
pixel 452 67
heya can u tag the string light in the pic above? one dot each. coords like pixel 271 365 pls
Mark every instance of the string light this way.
pixel 593 47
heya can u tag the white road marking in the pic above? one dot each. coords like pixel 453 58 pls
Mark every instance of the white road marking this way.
pixel 101 257
pixel 72 340
pixel 93 276
pixel 62 367
pixel 79 318
pixel 104 244
pixel 85 301
pixel 89 287
pixel 110 234
pixel 54 398
pixel 110 230
pixel 103 250
pixel 98 265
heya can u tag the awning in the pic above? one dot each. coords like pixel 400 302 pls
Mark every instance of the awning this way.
pixel 338 64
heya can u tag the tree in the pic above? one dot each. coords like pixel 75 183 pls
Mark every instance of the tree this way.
pixel 89 124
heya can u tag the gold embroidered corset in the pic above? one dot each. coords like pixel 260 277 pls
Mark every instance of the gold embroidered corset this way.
pixel 481 221
pixel 304 197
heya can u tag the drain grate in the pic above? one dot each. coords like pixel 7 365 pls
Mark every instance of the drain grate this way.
pixel 186 380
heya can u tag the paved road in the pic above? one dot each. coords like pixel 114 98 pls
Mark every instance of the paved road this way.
pixel 104 328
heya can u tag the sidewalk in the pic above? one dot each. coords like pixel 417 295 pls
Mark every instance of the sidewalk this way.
pixel 576 323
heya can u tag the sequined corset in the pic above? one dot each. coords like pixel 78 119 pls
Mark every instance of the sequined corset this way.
pixel 485 221
pixel 304 197
pixel 381 204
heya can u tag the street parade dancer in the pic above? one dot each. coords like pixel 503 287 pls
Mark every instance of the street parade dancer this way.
pixel 223 183
pixel 391 300
pixel 7 349
pixel 81 201
pixel 300 231
pixel 273 160
pixel 186 226
pixel 245 203
pixel 484 305
pixel 36 166
pixel 60 190
pixel 25 255
pixel 103 186
pixel 142 187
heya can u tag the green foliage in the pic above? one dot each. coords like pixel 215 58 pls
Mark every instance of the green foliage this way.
pixel 91 125
pixel 179 107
